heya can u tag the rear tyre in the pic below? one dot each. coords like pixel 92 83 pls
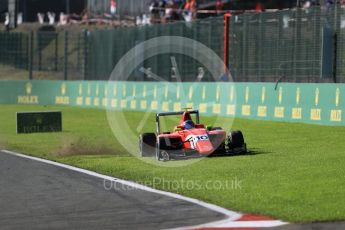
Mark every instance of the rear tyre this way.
pixel 236 142
pixel 147 144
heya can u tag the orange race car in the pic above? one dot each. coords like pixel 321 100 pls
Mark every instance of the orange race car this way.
pixel 190 139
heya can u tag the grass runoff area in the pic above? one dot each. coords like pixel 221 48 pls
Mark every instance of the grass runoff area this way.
pixel 295 172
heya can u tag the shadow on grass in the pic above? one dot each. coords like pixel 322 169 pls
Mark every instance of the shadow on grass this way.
pixel 250 152
pixel 256 151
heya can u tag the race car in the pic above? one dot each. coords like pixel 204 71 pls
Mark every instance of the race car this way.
pixel 190 139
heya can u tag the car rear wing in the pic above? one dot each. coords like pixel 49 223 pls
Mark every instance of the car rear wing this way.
pixel 196 112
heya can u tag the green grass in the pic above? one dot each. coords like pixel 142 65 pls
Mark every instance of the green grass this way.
pixel 295 172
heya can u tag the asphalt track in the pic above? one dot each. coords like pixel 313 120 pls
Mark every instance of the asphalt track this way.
pixel 34 195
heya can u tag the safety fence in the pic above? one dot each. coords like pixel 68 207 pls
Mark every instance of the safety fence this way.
pixel 289 102
pixel 92 55
pixel 296 45
pixel 43 55
pixel 106 48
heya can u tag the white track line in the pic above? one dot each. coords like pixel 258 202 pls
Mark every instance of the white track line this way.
pixel 240 224
pixel 230 221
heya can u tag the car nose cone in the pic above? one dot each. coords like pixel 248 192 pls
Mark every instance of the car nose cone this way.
pixel 205 147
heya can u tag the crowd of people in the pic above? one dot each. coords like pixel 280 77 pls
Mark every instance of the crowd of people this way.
pixel 326 3
pixel 163 11
pixel 173 10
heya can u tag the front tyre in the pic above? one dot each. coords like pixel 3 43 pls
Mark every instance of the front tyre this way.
pixel 161 153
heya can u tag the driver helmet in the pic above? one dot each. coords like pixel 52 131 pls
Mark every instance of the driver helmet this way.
pixel 189 124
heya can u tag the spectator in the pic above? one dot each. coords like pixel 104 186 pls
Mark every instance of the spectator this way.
pixel 194 8
pixel 51 17
pixel 146 20
pixel 161 6
pixel 63 19
pixel 187 5
pixel 138 22
pixel 40 17
pixel 306 5
pixel 329 4
pixel 314 2
pixel 180 5
pixel 171 11
pixel 20 18
pixel 113 7
pixel 219 5
pixel 7 22
pixel 155 17
pixel 85 17
pixel 166 10
pixel 191 8
pixel 258 7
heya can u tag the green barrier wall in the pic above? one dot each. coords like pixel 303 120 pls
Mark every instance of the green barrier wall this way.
pixel 307 103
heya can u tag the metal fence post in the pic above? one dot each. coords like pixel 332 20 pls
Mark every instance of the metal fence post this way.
pixel 66 56
pixel 56 51
pixel 85 47
pixel 244 46
pixel 40 46
pixel 297 39
pixel 335 43
pixel 31 54
pixel 335 48
pixel 261 46
pixel 78 51
pixel 226 41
